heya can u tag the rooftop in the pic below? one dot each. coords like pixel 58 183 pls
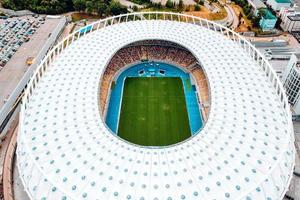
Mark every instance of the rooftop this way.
pixel 294 17
pixel 283 1
pixel 267 14
pixel 257 4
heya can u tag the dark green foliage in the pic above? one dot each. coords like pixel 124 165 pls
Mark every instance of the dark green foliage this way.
pixel 101 7
pixel 170 4
pixel 135 8
pixel 90 7
pixel 197 7
pixel 245 6
pixel 255 21
pixel 115 8
pixel 153 112
pixel 141 2
pixel 40 6
pixel 180 5
pixel 79 5
pixel 156 5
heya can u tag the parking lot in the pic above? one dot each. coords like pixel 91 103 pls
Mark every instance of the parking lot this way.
pixel 22 40
pixel 13 33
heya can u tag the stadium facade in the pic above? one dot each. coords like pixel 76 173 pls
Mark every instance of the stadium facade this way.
pixel 244 151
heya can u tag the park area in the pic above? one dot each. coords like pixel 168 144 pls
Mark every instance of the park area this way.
pixel 205 13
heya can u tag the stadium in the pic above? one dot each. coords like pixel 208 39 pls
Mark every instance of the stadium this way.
pixel 155 105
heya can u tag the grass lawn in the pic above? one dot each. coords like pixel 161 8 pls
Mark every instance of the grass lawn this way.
pixel 162 9
pixel 207 14
pixel 153 111
pixel 79 16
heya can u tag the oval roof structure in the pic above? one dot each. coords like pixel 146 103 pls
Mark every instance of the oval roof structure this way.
pixel 244 151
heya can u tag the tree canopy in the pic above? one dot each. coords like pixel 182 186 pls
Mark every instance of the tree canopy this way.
pixel 101 7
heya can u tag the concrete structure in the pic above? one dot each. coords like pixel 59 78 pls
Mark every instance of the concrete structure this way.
pixel 291 81
pixel 278 4
pixel 245 150
pixel 290 18
pixel 268 20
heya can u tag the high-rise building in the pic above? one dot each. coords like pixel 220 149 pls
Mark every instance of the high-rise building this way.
pixel 290 18
pixel 278 4
pixel 291 81
pixel 268 20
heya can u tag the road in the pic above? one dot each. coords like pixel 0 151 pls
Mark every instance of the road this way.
pixel 185 2
pixel 235 20
pixel 129 4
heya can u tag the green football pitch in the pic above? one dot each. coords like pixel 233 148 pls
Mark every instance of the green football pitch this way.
pixel 153 111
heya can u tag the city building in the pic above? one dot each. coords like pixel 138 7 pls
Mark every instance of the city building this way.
pixel 256 5
pixel 290 19
pixel 67 150
pixel 279 4
pixel 291 82
pixel 268 20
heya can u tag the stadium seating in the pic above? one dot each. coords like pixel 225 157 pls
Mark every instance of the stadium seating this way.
pixel 200 77
pixel 154 50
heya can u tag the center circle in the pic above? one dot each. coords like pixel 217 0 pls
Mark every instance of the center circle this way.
pixel 153 101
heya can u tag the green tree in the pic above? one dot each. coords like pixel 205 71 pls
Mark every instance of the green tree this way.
pixel 90 7
pixel 9 4
pixel 197 7
pixel 256 19
pixel 79 5
pixel 156 5
pixel 60 6
pixel 115 8
pixel 180 5
pixel 135 8
pixel 101 7
pixel 169 4
pixel 40 6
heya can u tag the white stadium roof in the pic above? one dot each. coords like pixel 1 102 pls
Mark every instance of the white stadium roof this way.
pixel 244 151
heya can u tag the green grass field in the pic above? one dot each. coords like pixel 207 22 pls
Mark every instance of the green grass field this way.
pixel 153 112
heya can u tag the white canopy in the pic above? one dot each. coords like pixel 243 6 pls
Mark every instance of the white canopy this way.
pixel 65 151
